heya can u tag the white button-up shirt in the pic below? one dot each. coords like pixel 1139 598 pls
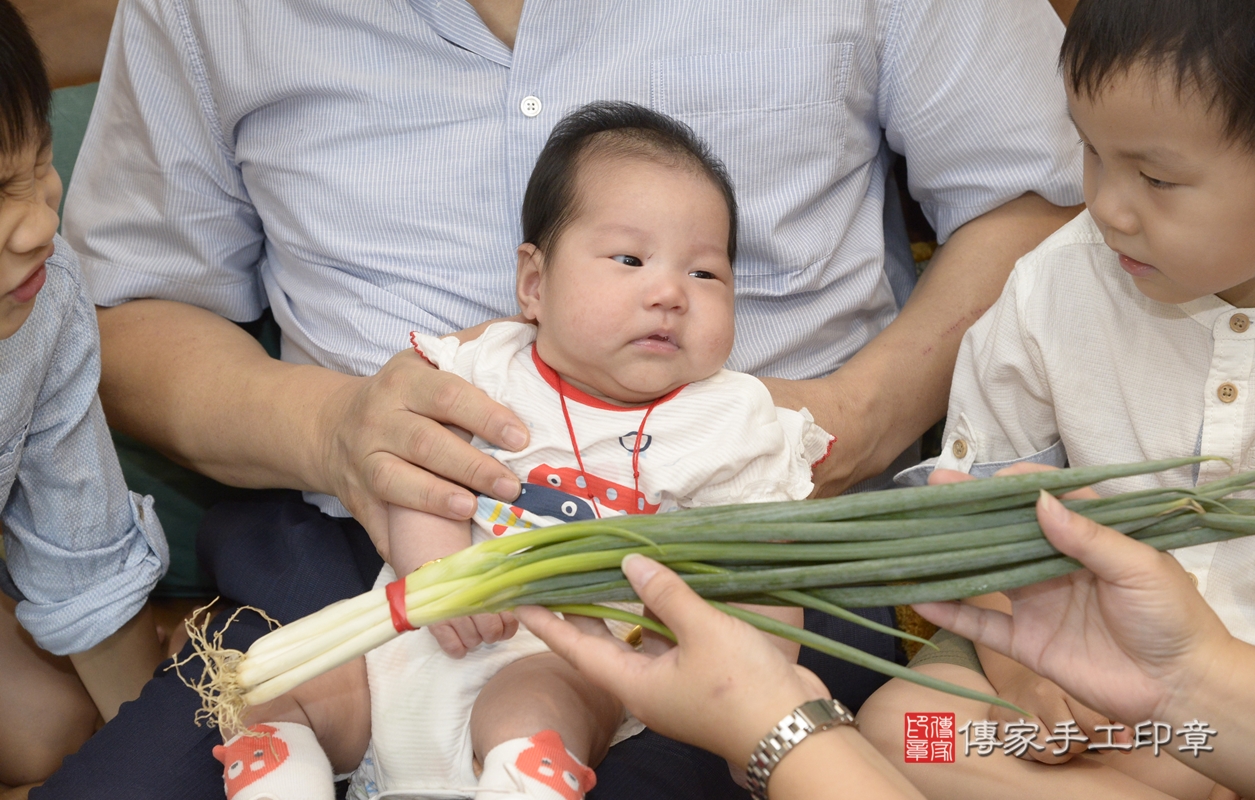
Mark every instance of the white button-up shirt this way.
pixel 359 167
pixel 1074 358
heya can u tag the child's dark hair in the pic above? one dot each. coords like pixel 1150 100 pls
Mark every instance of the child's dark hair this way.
pixel 1206 45
pixel 615 129
pixel 24 92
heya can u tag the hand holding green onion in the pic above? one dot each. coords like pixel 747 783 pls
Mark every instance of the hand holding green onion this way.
pixel 1128 636
pixel 882 548
pixel 721 688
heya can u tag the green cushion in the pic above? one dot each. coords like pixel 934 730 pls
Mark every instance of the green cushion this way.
pixel 71 108
pixel 182 496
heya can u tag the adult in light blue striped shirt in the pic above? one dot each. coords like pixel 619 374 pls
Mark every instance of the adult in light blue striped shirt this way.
pixel 358 166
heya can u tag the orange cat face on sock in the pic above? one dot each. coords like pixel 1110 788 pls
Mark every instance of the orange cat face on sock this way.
pixel 251 758
pixel 548 762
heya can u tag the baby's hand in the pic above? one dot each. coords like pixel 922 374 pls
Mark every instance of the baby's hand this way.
pixel 1051 707
pixel 459 636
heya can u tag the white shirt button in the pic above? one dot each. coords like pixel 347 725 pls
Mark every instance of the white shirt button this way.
pixel 530 106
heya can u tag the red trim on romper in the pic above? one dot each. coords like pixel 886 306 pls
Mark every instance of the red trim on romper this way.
pixel 552 378
pixel 827 452
pixel 417 349
pixel 395 592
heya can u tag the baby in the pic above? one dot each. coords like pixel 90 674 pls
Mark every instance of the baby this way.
pixel 1126 336
pixel 625 277
pixel 81 553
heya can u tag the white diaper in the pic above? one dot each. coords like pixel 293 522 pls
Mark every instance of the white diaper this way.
pixel 420 704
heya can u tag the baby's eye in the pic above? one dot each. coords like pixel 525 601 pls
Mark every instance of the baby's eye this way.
pixel 1155 183
pixel 703 274
pixel 1087 147
pixel 631 261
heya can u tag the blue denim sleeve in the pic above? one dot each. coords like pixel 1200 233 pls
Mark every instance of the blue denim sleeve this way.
pixel 83 551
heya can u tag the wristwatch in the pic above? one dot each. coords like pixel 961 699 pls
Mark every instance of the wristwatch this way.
pixel 808 718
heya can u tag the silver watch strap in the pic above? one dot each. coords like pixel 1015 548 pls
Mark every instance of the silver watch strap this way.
pixel 808 718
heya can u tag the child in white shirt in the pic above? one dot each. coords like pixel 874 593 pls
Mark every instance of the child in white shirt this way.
pixel 625 277
pixel 1126 336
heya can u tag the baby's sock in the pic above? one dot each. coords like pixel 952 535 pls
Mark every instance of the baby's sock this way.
pixel 536 767
pixel 287 763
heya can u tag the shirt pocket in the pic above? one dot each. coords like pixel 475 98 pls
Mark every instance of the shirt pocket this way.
pixel 777 119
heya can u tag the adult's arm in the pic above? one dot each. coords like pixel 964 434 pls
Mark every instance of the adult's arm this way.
pixel 969 92
pixel 202 390
pixel 1129 636
pixel 723 687
pixel 896 387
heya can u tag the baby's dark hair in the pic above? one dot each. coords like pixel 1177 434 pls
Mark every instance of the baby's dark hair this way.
pixel 25 96
pixel 611 129
pixel 1207 46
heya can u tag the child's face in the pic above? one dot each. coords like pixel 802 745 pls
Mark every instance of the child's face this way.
pixel 635 298
pixel 1169 191
pixel 30 192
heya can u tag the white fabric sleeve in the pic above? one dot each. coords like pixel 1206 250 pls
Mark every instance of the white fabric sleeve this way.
pixel 770 459
pixel 1001 408
pixel 157 206
pixel 971 95
pixel 487 362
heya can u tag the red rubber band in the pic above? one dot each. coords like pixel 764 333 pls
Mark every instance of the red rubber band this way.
pixel 396 604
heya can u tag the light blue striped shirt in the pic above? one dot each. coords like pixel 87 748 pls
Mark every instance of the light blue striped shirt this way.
pixel 82 552
pixel 359 165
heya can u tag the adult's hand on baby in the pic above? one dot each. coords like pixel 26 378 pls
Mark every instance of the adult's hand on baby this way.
pixel 384 440
pixel 721 688
pixel 1130 636
pixel 459 636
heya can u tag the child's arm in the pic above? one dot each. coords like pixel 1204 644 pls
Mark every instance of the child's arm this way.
pixel 415 538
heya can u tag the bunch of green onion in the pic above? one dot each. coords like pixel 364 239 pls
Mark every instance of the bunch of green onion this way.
pixel 883 548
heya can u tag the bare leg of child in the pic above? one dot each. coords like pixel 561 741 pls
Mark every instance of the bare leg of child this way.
pixel 974 777
pixel 42 691
pixel 538 726
pixel 319 728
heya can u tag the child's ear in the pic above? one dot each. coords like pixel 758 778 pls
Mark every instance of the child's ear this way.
pixel 527 285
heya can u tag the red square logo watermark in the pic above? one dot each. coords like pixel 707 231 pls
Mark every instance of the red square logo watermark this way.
pixel 929 738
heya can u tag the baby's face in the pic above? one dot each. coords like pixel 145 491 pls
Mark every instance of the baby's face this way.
pixel 1169 191
pixel 30 192
pixel 635 298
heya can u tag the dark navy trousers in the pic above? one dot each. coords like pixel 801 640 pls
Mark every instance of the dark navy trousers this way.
pixel 286 557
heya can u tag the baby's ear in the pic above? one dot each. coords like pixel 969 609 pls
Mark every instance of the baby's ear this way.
pixel 527 284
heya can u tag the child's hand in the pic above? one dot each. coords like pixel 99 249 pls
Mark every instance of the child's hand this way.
pixel 459 636
pixel 1051 707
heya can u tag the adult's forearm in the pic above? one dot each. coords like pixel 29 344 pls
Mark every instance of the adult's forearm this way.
pixel 838 764
pixel 202 391
pixel 897 386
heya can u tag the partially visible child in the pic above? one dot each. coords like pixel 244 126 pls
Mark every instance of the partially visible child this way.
pixel 626 270
pixel 81 553
pixel 1128 335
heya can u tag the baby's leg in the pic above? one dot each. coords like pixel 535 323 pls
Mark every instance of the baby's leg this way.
pixel 320 726
pixel 881 720
pixel 538 725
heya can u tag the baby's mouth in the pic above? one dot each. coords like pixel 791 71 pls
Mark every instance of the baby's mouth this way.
pixel 661 341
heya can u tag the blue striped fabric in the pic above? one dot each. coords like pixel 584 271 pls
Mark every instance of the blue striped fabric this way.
pixel 359 165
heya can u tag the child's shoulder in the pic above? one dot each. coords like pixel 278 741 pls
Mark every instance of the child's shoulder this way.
pixel 1075 250
pixel 1073 263
pixel 62 300
pixel 65 287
